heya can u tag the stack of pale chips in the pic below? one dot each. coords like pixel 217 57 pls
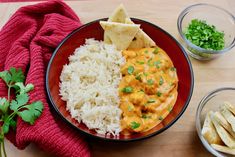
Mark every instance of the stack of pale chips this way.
pixel 123 33
pixel 219 128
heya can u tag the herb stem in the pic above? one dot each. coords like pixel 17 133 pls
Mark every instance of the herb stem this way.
pixel 9 93
pixel 0 149
pixel 3 147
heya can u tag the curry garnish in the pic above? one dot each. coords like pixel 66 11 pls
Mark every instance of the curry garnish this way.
pixel 130 70
pixel 140 62
pixel 159 94
pixel 138 77
pixel 150 82
pixel 161 81
pixel 151 101
pixel 155 51
pixel 135 125
pixel 127 89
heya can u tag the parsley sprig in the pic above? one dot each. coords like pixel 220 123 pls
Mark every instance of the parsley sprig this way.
pixel 10 108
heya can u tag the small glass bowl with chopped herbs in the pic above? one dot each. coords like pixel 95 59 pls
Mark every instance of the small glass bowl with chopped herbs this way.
pixel 207 30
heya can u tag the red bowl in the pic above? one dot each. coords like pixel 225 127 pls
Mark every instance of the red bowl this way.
pixel 94 30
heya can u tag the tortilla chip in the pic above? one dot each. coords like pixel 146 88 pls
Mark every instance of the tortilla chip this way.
pixel 228 116
pixel 230 107
pixel 222 121
pixel 120 34
pixel 209 132
pixel 224 135
pixel 223 149
pixel 141 40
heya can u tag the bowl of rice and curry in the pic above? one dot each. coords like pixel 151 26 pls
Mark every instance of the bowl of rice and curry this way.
pixel 120 78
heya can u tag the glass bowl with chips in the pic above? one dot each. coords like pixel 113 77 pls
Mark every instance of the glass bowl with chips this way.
pixel 207 31
pixel 212 116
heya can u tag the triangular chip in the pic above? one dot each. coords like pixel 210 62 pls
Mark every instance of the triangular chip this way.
pixel 209 132
pixel 220 119
pixel 228 116
pixel 230 107
pixel 120 34
pixel 119 15
pixel 141 40
pixel 223 149
pixel 224 135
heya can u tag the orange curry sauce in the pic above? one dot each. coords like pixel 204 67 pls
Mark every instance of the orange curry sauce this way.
pixel 148 89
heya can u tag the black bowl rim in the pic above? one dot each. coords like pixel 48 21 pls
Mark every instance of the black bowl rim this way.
pixel 120 140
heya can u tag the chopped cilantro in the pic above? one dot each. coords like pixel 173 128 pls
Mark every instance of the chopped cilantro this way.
pixel 127 89
pixel 151 101
pixel 157 64
pixel 173 69
pixel 204 35
pixel 135 125
pixel 140 62
pixel 130 108
pixel 138 77
pixel 161 81
pixel 160 118
pixel 159 94
pixel 150 82
pixel 130 70
pixel 155 51
pixel 149 62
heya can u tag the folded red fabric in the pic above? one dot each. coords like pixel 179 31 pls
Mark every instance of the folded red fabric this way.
pixel 27 42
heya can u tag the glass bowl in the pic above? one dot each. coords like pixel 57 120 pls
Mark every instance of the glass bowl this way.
pixel 223 20
pixel 211 102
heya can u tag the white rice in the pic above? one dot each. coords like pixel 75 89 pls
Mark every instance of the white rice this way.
pixel 89 85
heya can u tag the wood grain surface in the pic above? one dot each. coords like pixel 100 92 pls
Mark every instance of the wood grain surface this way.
pixel 181 139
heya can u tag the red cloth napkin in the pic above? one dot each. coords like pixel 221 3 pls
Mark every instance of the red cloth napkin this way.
pixel 27 41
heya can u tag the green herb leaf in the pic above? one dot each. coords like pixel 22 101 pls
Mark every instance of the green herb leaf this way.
pixel 130 108
pixel 144 116
pixel 146 51
pixel 31 112
pixel 140 62
pixel 145 74
pixel 138 77
pixel 6 126
pixel 135 125
pixel 6 76
pixel 17 75
pixel 155 51
pixel 151 101
pixel 173 69
pixel 157 64
pixel 159 94
pixel 160 118
pixel 127 89
pixel 161 81
pixel 149 62
pixel 21 100
pixel 4 104
pixel 204 35
pixel 130 70
pixel 13 124
pixel 150 82
pixel 19 86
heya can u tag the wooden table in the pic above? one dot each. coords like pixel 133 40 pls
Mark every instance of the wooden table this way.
pixel 181 139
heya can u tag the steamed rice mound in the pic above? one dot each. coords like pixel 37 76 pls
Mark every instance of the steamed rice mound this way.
pixel 89 85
